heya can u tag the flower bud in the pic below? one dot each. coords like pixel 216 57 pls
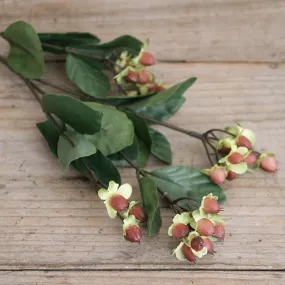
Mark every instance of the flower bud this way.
pixel 231 175
pixel 219 232
pixel 235 158
pixel 133 233
pixel 218 175
pixel 139 213
pixel 187 252
pixel 269 164
pixel 143 77
pixel 180 230
pixel 197 243
pixel 209 245
pixel 119 203
pixel 211 206
pixel 205 227
pixel 132 77
pixel 251 159
pixel 146 59
pixel 244 141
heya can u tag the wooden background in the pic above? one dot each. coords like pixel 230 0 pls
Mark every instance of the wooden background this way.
pixel 53 229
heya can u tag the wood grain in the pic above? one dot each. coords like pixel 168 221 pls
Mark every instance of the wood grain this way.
pixel 197 30
pixel 141 278
pixel 52 219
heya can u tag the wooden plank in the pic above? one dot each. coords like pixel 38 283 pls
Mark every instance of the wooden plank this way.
pixel 49 217
pixel 199 30
pixel 142 278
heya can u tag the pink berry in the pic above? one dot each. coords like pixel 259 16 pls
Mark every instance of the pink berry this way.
pixel 225 150
pixel 244 141
pixel 133 234
pixel 211 206
pixel 209 245
pixel 119 203
pixel 219 231
pixel 139 213
pixel 188 253
pixel 231 175
pixel 147 59
pixel 143 77
pixel 197 243
pixel 180 231
pixel 132 77
pixel 269 164
pixel 235 158
pixel 218 175
pixel 251 159
pixel 205 227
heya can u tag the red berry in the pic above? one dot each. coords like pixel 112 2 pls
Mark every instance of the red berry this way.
pixel 197 243
pixel 119 203
pixel 209 245
pixel 133 234
pixel 132 77
pixel 225 150
pixel 235 158
pixel 205 227
pixel 159 88
pixel 147 59
pixel 180 231
pixel 143 77
pixel 269 164
pixel 219 231
pixel 251 159
pixel 139 213
pixel 244 141
pixel 188 253
pixel 211 206
pixel 231 175
pixel 218 175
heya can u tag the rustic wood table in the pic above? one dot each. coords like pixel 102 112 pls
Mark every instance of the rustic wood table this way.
pixel 53 228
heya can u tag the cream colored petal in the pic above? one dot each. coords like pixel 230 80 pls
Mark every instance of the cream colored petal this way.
pixel 111 212
pixel 200 253
pixel 125 190
pixel 179 253
pixel 103 194
pixel 113 187
pixel 170 230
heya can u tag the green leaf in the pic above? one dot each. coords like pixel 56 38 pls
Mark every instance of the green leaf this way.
pixel 143 138
pixel 102 167
pixel 74 113
pixel 131 152
pixel 164 104
pixel 87 76
pixel 67 152
pixel 26 54
pixel 50 133
pixel 184 181
pixel 66 40
pixel 160 147
pixel 117 131
pixel 151 204
pixel 114 47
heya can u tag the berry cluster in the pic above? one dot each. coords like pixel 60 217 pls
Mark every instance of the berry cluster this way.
pixel 239 156
pixel 133 76
pixel 197 230
pixel 116 200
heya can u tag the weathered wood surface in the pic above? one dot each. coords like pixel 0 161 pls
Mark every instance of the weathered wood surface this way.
pixel 141 278
pixel 196 30
pixel 50 218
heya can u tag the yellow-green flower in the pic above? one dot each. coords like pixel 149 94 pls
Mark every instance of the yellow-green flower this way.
pixel 114 191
